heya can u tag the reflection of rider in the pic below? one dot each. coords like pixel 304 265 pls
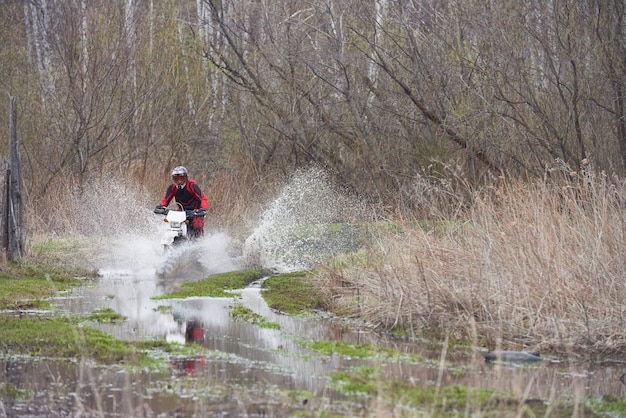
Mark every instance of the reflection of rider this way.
pixel 186 192
pixel 194 333
pixel 189 365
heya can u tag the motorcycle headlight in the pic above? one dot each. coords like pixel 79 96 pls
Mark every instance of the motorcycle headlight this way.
pixel 175 224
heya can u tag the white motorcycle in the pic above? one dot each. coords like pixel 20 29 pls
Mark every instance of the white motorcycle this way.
pixel 178 230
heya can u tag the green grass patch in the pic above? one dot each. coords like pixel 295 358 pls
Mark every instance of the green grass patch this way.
pixel 444 401
pixel 240 312
pixel 357 381
pixel 24 286
pixel 218 285
pixel 62 337
pixel 57 248
pixel 106 316
pixel 10 391
pixel 165 309
pixel 609 406
pixel 350 350
pixel 68 338
pixel 360 351
pixel 373 229
pixel 291 293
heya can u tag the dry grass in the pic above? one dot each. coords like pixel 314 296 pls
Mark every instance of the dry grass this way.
pixel 236 199
pixel 103 207
pixel 529 266
pixel 118 204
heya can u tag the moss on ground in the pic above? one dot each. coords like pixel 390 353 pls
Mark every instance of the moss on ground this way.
pixel 106 316
pixel 349 350
pixel 27 285
pixel 291 293
pixel 240 312
pixel 61 337
pixel 449 400
pixel 218 285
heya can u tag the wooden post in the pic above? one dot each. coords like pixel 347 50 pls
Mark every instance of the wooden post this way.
pixel 14 212
pixel 4 199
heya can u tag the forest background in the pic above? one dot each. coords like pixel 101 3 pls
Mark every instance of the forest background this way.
pixel 425 109
pixel 383 93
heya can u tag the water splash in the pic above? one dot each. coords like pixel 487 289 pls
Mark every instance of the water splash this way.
pixel 198 259
pixel 309 221
pixel 113 208
pixel 126 236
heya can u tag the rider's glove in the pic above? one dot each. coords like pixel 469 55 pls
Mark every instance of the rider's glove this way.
pixel 159 210
pixel 199 212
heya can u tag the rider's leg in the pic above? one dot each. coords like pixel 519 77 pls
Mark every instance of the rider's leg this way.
pixel 195 232
pixel 197 227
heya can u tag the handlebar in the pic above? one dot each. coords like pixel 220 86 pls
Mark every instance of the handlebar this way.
pixel 161 211
pixel 198 213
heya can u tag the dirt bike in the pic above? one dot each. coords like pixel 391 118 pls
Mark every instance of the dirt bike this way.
pixel 178 230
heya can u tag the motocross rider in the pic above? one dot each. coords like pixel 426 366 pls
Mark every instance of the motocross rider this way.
pixel 186 192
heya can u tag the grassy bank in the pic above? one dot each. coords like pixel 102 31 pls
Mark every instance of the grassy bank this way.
pixel 524 266
pixel 27 285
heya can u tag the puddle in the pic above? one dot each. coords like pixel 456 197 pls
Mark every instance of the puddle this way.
pixel 246 370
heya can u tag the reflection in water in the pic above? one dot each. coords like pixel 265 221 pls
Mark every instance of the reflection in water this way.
pixel 244 366
pixel 277 358
pixel 194 331
pixel 189 365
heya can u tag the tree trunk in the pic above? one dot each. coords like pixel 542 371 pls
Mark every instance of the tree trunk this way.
pixel 13 210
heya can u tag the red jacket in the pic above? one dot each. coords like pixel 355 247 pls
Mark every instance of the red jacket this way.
pixel 190 196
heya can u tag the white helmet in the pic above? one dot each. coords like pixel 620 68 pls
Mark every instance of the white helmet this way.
pixel 179 176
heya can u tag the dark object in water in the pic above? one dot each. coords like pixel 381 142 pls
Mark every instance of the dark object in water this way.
pixel 513 356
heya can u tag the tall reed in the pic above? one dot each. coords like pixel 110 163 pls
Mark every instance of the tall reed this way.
pixel 528 265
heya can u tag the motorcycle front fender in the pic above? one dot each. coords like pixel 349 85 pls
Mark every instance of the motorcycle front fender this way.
pixel 169 237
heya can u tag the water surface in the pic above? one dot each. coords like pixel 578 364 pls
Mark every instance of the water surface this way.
pixel 244 370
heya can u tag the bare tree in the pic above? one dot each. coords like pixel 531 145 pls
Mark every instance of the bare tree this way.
pixel 385 94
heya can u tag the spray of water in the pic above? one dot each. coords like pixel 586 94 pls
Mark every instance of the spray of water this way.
pixel 309 221
pixel 126 236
